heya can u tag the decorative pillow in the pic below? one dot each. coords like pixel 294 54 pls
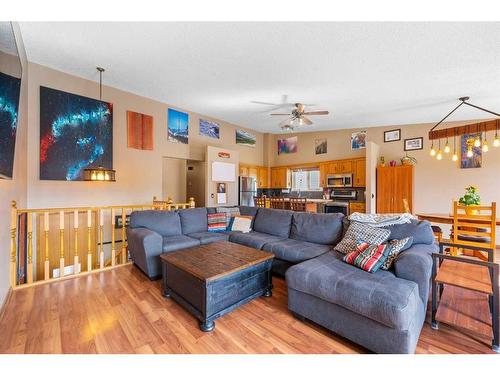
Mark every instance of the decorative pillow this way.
pixel 395 248
pixel 241 224
pixel 367 257
pixel 229 211
pixel 358 233
pixel 216 222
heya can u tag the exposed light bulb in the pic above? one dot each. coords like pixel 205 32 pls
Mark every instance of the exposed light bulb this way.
pixel 439 155
pixel 485 146
pixel 454 157
pixel 496 141
pixel 469 152
pixel 433 151
pixel 477 142
pixel 447 148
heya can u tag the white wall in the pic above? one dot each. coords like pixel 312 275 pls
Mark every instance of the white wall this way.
pixel 174 179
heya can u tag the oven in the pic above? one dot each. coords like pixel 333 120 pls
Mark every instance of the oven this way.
pixel 337 207
pixel 339 180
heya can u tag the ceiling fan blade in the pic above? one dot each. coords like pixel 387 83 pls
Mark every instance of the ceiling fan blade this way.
pixel 279 114
pixel 306 121
pixel 314 113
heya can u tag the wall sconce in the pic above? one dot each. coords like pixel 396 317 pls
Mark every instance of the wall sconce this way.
pixel 99 174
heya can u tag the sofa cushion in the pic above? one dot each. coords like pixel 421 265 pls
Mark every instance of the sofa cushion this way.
pixel 395 248
pixel 253 239
pixel 209 237
pixel 368 257
pixel 240 224
pixel 248 211
pixel 421 232
pixel 295 251
pixel 172 243
pixel 216 222
pixel 230 212
pixel 165 223
pixel 379 296
pixel 272 221
pixel 357 233
pixel 323 229
pixel 193 220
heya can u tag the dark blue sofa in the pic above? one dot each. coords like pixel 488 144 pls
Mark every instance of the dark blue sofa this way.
pixel 383 311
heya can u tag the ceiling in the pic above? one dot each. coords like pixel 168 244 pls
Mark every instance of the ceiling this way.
pixel 365 74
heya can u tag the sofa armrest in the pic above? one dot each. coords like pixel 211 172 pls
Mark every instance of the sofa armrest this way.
pixel 145 246
pixel 415 264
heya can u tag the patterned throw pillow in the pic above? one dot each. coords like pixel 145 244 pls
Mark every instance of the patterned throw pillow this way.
pixel 358 233
pixel 216 222
pixel 367 257
pixel 395 248
pixel 229 211
pixel 241 224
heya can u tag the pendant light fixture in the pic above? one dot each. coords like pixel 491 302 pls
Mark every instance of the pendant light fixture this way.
pixel 485 144
pixel 447 147
pixel 439 155
pixel 455 156
pixel 100 173
pixel 433 150
pixel 496 140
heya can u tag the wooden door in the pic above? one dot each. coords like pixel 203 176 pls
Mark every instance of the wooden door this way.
pixel 345 166
pixel 263 177
pixel 359 176
pixel 323 172
pixel 403 188
pixel 385 189
pixel 253 172
pixel 274 178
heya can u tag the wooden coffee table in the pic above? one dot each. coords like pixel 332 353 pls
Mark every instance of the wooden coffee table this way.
pixel 214 279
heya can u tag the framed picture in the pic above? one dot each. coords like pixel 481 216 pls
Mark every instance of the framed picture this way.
pixel 287 145
pixel 209 129
pixel 392 135
pixel 221 187
pixel 245 138
pixel 476 160
pixel 412 144
pixel 358 140
pixel 140 131
pixel 320 146
pixel 10 87
pixel 178 126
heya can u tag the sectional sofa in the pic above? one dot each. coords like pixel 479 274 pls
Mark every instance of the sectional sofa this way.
pixel 382 311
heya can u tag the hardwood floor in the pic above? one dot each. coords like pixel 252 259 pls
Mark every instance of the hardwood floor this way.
pixel 121 311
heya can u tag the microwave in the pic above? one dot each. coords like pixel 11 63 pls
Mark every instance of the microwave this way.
pixel 339 180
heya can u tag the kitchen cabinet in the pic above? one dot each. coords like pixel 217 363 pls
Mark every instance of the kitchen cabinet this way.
pixel 333 167
pixel 359 173
pixel 253 172
pixel 394 184
pixel 323 172
pixel 243 171
pixel 345 166
pixel 357 207
pixel 280 178
pixel 262 177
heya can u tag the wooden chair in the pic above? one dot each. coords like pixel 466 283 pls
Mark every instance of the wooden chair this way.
pixel 479 278
pixel 259 201
pixel 298 204
pixel 278 202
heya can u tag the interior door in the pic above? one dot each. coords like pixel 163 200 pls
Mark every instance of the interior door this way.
pixel 403 188
pixel 385 190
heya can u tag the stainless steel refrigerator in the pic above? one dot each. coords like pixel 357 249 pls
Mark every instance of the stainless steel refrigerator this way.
pixel 248 190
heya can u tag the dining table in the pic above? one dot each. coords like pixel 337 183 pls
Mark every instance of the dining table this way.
pixel 448 218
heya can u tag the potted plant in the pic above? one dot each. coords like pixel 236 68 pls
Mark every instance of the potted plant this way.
pixel 470 198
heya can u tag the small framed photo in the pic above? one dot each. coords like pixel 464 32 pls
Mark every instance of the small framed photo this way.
pixel 412 144
pixel 392 135
pixel 221 188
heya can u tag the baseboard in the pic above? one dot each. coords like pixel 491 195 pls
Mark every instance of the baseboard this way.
pixel 5 302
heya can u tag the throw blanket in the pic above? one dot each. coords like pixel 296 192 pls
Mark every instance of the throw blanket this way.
pixel 381 220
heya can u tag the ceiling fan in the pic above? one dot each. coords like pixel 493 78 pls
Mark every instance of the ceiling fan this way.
pixel 298 117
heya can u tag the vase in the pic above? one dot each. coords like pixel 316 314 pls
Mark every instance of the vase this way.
pixel 471 211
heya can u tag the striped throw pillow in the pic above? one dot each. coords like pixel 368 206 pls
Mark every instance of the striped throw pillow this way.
pixel 396 247
pixel 217 222
pixel 367 257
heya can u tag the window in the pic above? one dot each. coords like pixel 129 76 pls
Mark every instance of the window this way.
pixel 305 180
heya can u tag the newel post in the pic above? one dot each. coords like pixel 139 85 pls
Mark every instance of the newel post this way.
pixel 191 203
pixel 13 244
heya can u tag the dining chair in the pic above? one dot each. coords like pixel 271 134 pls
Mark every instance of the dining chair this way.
pixel 298 204
pixel 278 202
pixel 479 276
pixel 259 202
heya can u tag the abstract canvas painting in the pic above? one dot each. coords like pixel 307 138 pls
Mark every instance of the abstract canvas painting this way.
pixel 178 126
pixel 320 146
pixel 246 139
pixel 76 132
pixel 287 145
pixel 9 103
pixel 477 155
pixel 209 129
pixel 140 131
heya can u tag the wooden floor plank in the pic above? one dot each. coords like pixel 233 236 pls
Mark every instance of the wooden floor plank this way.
pixel 122 311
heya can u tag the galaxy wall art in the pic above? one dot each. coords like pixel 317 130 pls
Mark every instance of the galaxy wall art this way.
pixel 75 133
pixel 9 103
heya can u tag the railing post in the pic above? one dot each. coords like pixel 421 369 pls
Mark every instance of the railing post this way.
pixel 101 239
pixel 30 248
pixel 124 246
pixel 46 228
pixel 76 261
pixel 13 243
pixel 89 240
pixel 61 243
pixel 191 202
pixel 113 249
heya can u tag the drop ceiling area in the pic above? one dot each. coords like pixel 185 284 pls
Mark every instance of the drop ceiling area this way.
pixel 365 74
